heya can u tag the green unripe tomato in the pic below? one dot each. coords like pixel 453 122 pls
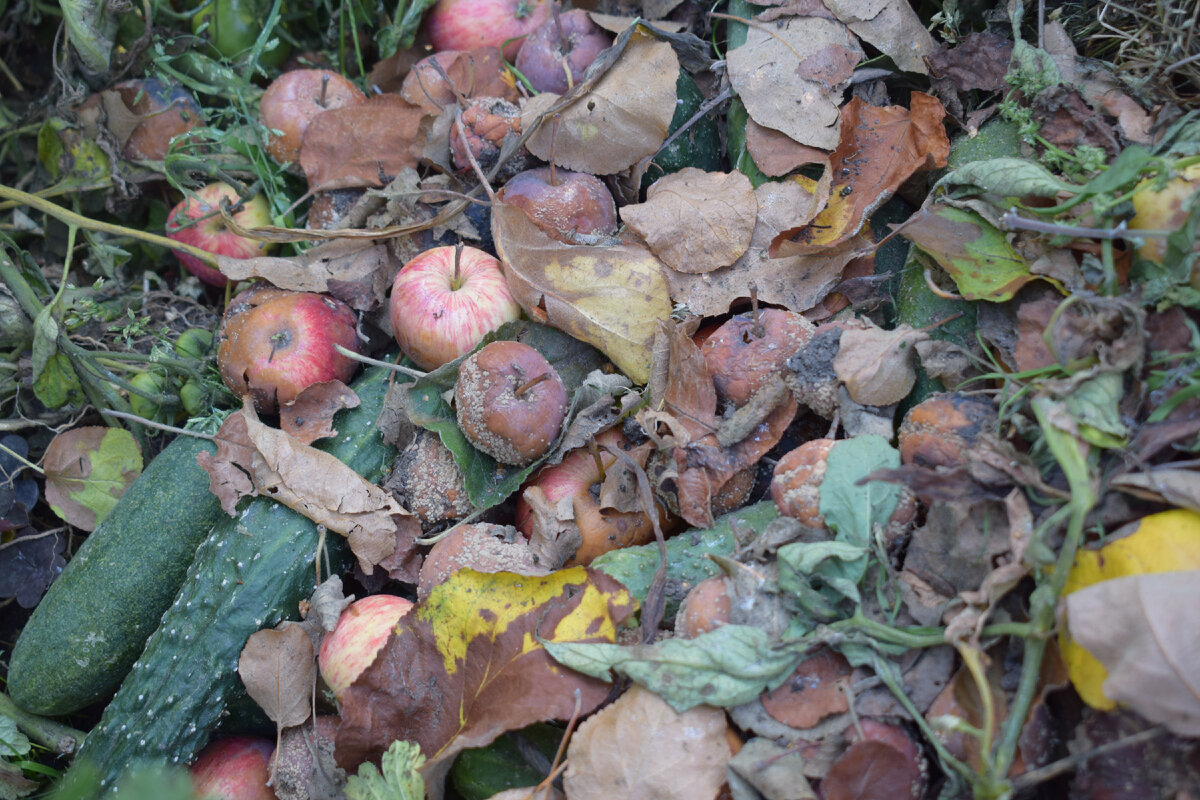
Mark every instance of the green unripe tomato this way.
pixel 194 397
pixel 151 383
pixel 194 343
pixel 234 25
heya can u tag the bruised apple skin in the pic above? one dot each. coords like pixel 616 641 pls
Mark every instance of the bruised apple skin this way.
pixel 196 220
pixel 470 24
pixel 509 402
pixel 234 769
pixel 294 98
pixel 562 203
pixel 360 633
pixel 568 42
pixel 275 343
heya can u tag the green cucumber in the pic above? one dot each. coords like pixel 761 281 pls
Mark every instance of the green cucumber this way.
pixel 249 573
pixel 699 146
pixel 94 620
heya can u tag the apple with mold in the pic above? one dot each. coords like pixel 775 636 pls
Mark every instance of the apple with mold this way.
pixel 361 632
pixel 196 220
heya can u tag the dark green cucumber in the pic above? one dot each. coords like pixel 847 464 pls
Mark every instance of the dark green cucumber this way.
pixel 93 622
pixel 252 571
pixel 699 146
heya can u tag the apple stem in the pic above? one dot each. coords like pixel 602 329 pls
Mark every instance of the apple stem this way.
pixel 323 101
pixel 759 332
pixel 457 282
pixel 524 388
pixel 553 142
pixel 594 449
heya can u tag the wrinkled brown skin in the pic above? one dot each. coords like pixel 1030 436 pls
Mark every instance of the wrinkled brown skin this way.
pixel 796 484
pixel 486 120
pixel 512 429
pixel 705 608
pixel 541 56
pixel 480 546
pixel 431 484
pixel 938 431
pixel 275 343
pixel 565 204
pixel 294 98
pixel 740 360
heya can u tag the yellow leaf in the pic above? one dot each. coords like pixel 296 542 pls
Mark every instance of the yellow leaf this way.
pixel 1165 542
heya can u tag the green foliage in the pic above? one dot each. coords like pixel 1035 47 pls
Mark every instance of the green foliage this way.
pixel 397 778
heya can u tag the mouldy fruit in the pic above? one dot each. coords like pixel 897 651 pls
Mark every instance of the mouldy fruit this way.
pixel 554 57
pixel 510 403
pixel 562 203
pixel 938 431
pixel 165 112
pixel 304 760
pixel 274 344
pixel 487 121
pixel 429 482
pixel 480 546
pixel 294 98
pixel 745 351
pixel 705 608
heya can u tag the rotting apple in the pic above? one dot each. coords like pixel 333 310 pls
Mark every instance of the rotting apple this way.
pixel 555 55
pixel 579 477
pixel 510 402
pixel 274 344
pixel 166 111
pixel 1165 209
pixel 196 220
pixel 445 301
pixel 481 546
pixel 469 24
pixel 562 203
pixel 361 632
pixel 294 98
pixel 236 768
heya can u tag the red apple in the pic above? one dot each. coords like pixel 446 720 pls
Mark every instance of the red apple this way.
pixel 468 24
pixel 234 769
pixel 274 344
pixel 294 98
pixel 444 302
pixel 563 203
pixel 210 233
pixel 361 632
pixel 567 42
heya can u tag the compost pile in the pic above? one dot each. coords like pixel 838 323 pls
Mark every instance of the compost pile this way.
pixel 489 399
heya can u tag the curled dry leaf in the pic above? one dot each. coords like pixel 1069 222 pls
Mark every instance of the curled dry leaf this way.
pixel 892 26
pixel 474 73
pixel 254 459
pixel 278 669
pixel 623 119
pixel 876 365
pixel 337 262
pixel 640 748
pixel 776 153
pixel 362 145
pixel 696 221
pixel 809 59
pixel 1140 628
pixel 87 470
pixel 609 297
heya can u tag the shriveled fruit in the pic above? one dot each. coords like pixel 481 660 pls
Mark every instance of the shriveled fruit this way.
pixel 744 352
pixel 294 98
pixel 705 608
pixel 480 546
pixel 510 402
pixel 938 431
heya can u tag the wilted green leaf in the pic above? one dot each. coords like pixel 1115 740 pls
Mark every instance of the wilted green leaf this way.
pixel 728 666
pixel 91 28
pixel 971 250
pixel 1006 177
pixel 58 385
pixel 87 471
pixel 1094 403
pixel 13 743
pixel 399 778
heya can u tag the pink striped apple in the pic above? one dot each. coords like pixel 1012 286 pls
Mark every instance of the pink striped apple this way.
pixel 360 633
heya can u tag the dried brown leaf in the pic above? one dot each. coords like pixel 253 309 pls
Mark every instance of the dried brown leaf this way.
pixel 623 119
pixel 310 416
pixel 343 261
pixel 776 153
pixel 1142 628
pixel 892 26
pixel 876 365
pixel 769 66
pixel 362 145
pixel 474 73
pixel 696 221
pixel 639 748
pixel 278 669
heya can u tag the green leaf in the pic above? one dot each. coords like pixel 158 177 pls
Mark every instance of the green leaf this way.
pixel 1006 177
pixel 971 250
pixel 726 667
pixel 91 28
pixel 1125 169
pixel 1031 69
pixel 398 779
pixel 13 743
pixel 1094 405
pixel 87 471
pixel 401 34
pixel 58 385
pixel 45 340
pixel 688 560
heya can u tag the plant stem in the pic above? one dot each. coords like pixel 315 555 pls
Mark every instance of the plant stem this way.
pixel 412 373
pixel 58 737
pixel 71 218
pixel 14 454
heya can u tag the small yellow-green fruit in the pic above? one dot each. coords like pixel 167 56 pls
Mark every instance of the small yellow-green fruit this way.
pixel 1164 209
